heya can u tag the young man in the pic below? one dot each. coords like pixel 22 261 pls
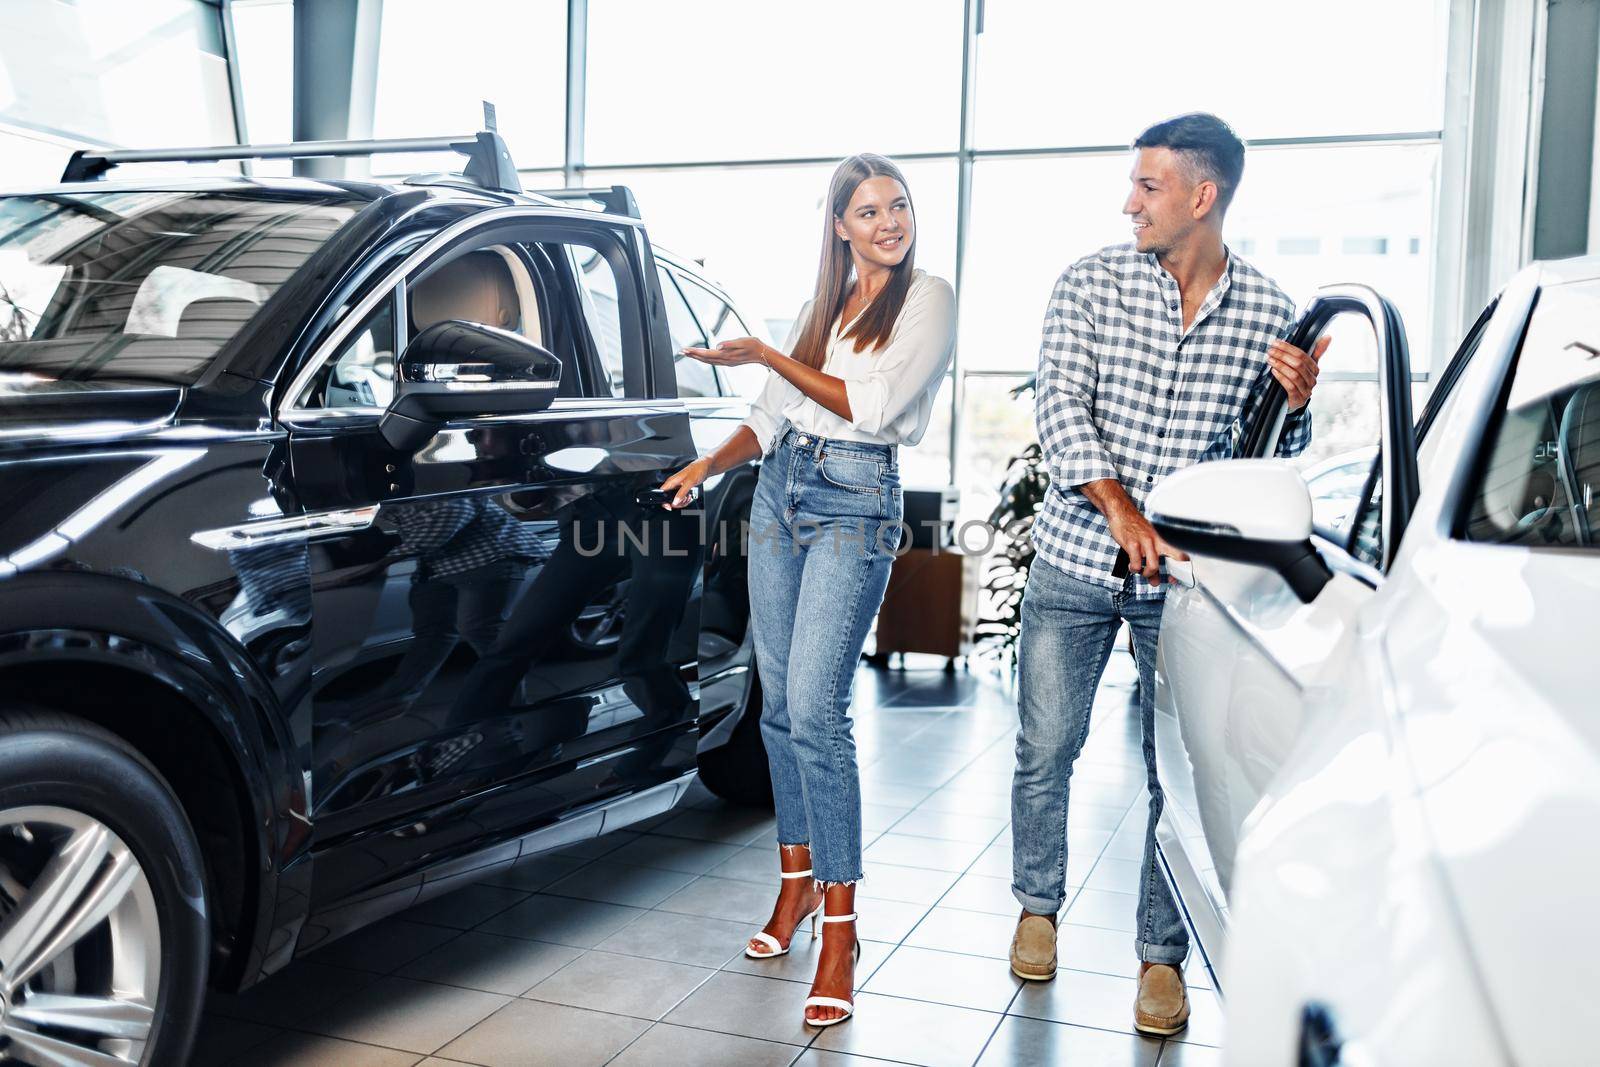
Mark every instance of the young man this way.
pixel 1151 352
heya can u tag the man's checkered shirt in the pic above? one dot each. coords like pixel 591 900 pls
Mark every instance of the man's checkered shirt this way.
pixel 1123 392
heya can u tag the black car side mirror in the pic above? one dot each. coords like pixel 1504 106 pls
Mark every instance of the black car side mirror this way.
pixel 455 369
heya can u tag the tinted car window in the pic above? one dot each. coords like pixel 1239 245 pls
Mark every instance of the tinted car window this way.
pixel 144 287
pixel 1538 482
pixel 599 284
pixel 694 378
pixel 361 373
pixel 721 322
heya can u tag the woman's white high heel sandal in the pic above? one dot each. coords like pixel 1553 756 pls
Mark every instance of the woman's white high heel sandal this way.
pixel 772 942
pixel 846 1006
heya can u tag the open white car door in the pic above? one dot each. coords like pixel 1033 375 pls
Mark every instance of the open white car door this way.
pixel 1261 622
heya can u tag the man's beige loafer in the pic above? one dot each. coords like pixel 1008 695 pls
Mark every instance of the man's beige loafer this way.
pixel 1162 1006
pixel 1033 949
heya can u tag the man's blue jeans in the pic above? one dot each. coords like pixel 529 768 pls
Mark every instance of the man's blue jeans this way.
pixel 824 528
pixel 1068 629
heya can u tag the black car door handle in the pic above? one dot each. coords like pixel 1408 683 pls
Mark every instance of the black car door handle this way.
pixel 655 498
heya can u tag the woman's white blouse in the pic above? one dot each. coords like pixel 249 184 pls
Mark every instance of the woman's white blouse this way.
pixel 891 389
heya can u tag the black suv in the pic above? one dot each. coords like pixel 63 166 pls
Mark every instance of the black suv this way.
pixel 333 574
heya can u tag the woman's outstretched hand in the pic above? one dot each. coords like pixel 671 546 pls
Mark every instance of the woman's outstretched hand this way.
pixel 685 480
pixel 733 352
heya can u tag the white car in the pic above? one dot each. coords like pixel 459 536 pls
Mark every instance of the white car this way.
pixel 1380 747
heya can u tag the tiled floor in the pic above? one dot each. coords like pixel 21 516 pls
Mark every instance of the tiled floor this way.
pixel 628 950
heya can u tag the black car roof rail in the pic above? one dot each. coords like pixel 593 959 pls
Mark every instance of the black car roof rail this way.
pixel 614 199
pixel 488 159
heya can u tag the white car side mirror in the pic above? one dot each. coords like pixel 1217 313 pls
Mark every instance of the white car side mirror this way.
pixel 1255 511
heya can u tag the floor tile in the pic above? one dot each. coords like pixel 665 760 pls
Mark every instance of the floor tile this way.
pixel 759 865
pixel 887 920
pixel 622 985
pixel 902 795
pixel 302 989
pixel 491 962
pixel 882 817
pixel 1093 816
pixel 665 1045
pixel 995 860
pixel 951 826
pixel 723 898
pixel 383 947
pixel 584 923
pixel 966 802
pixel 404 1014
pixel 1205 1018
pixel 1109 911
pixel 908 851
pixel 309 1050
pixel 912 885
pixel 743 1004
pixel 945 978
pixel 1036 1041
pixel 533 873
pixel 1115 876
pixel 970 932
pixel 466 907
pixel 692 939
pixel 530 1032
pixel 821 1057
pixel 620 883
pixel 982 892
pixel 729 825
pixel 1087 948
pixel 1181 1054
pixel 1096 1000
pixel 678 853
pixel 935 1035
pixel 1125 845
pixel 224 1041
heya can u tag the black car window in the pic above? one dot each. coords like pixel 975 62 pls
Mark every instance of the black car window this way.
pixel 361 373
pixel 721 322
pixel 597 283
pixel 1537 482
pixel 694 377
pixel 145 287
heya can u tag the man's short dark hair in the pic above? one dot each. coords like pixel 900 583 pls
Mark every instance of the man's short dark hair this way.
pixel 1205 145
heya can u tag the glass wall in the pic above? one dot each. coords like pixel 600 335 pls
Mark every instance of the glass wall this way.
pixel 134 73
pixel 725 118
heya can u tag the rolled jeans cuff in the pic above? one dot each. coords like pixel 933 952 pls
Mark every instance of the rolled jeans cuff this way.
pixel 1037 905
pixel 1169 954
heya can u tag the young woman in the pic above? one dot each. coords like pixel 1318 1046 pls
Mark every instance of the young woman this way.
pixel 864 362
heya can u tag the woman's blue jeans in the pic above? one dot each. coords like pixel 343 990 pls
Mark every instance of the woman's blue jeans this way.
pixel 1068 627
pixel 824 528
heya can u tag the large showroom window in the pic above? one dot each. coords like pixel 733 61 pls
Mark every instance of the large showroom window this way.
pixel 1011 119
pixel 90 73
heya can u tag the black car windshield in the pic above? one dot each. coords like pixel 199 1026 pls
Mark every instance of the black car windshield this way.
pixel 144 287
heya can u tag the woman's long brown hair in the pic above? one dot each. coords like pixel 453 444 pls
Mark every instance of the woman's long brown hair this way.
pixel 874 325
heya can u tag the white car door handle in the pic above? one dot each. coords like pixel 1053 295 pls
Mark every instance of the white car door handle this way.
pixel 1182 570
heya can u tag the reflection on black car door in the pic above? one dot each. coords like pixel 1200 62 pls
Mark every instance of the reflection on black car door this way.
pixel 513 637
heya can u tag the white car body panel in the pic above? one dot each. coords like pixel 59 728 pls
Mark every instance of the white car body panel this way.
pixel 1391 807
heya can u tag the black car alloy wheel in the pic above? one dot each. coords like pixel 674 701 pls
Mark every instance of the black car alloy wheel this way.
pixel 103 930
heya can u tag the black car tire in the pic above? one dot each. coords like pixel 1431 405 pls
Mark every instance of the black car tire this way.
pixel 738 770
pixel 54 761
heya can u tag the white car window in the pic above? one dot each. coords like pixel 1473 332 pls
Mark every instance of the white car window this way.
pixel 1539 481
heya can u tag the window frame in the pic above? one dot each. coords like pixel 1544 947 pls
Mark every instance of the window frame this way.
pixel 516 225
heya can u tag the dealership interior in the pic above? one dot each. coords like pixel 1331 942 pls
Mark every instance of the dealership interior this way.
pixel 1414 168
